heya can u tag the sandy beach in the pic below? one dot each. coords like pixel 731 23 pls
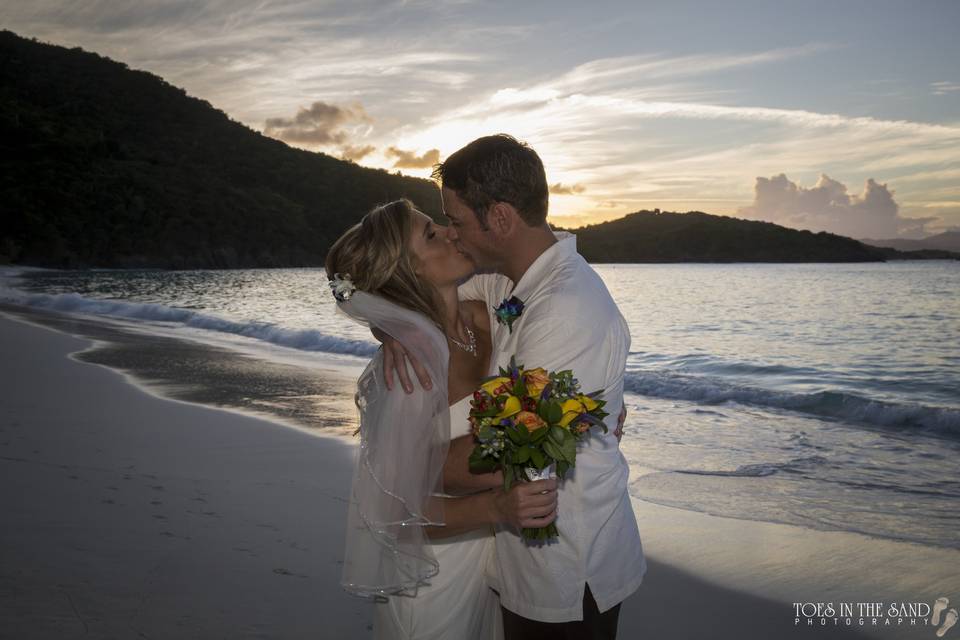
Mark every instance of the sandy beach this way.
pixel 132 515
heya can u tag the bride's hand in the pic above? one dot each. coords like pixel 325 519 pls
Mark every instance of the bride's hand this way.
pixel 527 504
pixel 394 358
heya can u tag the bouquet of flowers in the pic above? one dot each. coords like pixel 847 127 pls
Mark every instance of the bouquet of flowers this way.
pixel 528 421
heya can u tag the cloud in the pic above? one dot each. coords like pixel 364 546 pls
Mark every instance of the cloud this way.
pixel 318 125
pixel 944 88
pixel 410 160
pixel 827 206
pixel 561 189
pixel 354 154
pixel 607 73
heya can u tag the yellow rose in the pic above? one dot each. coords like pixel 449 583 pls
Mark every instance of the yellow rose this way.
pixel 571 409
pixel 530 420
pixel 493 387
pixel 510 407
pixel 536 380
pixel 589 403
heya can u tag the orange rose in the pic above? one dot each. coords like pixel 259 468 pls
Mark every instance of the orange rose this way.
pixel 530 420
pixel 537 380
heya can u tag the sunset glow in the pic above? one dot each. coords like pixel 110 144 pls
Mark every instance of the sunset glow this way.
pixel 631 107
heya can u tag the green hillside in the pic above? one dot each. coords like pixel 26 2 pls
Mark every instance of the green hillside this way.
pixel 109 167
pixel 654 236
pixel 104 166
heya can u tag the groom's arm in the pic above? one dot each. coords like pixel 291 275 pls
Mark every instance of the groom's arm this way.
pixel 457 477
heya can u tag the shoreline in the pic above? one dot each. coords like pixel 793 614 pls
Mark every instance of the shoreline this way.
pixel 681 594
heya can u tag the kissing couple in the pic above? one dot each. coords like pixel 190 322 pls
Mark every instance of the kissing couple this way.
pixel 439 546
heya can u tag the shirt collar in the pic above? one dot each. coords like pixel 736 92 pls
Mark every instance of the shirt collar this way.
pixel 540 269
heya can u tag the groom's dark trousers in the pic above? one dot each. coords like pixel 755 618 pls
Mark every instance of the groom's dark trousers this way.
pixel 594 626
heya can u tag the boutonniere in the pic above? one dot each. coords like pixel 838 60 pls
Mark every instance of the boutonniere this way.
pixel 508 311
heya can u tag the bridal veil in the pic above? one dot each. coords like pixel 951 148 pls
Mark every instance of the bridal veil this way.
pixel 403 444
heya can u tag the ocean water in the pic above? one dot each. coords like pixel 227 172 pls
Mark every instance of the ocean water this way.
pixel 820 395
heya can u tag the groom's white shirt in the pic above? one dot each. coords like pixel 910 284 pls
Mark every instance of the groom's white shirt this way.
pixel 569 321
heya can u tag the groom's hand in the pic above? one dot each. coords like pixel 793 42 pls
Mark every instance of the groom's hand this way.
pixel 528 504
pixel 623 417
pixel 395 357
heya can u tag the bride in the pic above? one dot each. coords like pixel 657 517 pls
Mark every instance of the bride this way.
pixel 419 552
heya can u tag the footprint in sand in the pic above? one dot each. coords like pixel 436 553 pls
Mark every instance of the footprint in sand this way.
pixel 284 572
pixel 170 534
pixel 948 621
pixel 938 608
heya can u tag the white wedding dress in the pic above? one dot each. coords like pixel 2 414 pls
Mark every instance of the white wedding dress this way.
pixel 457 604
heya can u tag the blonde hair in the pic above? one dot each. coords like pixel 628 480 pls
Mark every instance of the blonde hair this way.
pixel 376 253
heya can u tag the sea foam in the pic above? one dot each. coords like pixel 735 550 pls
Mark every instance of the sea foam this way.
pixel 303 339
pixel 825 404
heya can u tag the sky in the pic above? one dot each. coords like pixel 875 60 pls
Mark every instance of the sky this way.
pixel 841 116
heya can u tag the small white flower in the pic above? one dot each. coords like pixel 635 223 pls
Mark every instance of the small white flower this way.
pixel 342 286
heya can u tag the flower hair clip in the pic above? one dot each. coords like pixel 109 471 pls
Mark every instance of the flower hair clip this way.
pixel 508 311
pixel 342 286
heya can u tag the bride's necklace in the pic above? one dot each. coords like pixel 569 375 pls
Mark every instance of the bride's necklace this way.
pixel 471 347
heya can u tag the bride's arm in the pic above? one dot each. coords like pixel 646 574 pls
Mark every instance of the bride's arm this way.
pixel 527 504
pixel 457 477
pixel 395 356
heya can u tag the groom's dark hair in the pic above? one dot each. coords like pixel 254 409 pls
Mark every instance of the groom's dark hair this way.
pixel 494 169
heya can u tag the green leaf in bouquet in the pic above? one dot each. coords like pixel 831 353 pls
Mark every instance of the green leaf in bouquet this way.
pixel 480 463
pixel 562 467
pixel 538 435
pixel 554 412
pixel 543 410
pixel 569 449
pixel 516 434
pixel 537 458
pixel 558 434
pixel 487 433
pixel 522 455
pixel 552 450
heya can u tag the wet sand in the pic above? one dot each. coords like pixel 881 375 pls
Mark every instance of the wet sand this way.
pixel 128 514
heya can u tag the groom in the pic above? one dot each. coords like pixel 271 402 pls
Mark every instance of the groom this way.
pixel 495 195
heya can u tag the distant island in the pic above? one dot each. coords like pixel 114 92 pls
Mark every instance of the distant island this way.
pixel 946 241
pixel 662 236
pixel 105 166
